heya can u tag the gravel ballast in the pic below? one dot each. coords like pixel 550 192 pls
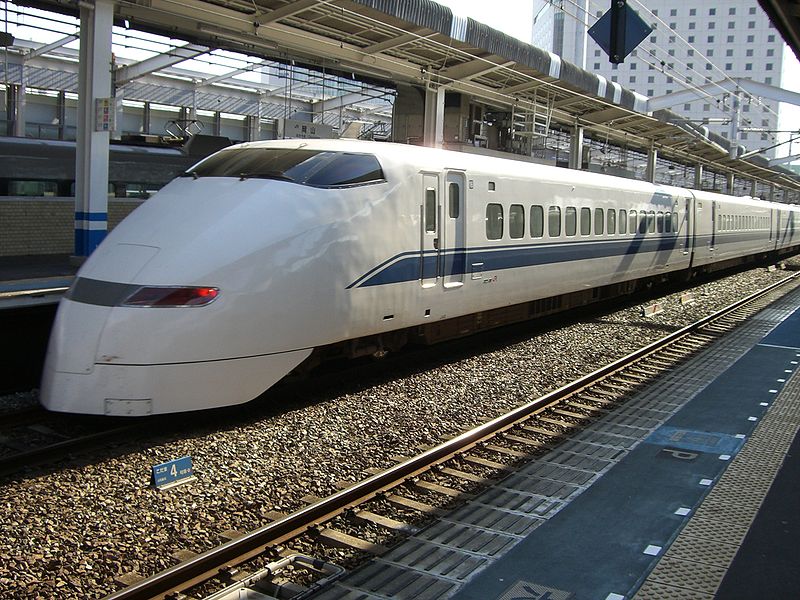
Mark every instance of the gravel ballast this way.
pixel 69 530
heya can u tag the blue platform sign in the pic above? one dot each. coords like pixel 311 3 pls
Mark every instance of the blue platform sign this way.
pixel 172 473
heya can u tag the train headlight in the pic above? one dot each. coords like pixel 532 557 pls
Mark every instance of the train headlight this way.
pixel 171 296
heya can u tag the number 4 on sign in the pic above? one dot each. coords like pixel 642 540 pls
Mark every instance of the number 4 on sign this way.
pixel 172 473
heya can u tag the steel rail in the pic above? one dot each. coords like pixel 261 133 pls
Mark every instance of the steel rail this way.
pixel 16 462
pixel 211 562
pixel 23 417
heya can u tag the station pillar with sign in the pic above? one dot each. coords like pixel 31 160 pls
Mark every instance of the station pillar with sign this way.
pixel 96 117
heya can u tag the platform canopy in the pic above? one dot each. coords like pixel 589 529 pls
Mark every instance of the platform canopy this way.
pixel 785 15
pixel 423 43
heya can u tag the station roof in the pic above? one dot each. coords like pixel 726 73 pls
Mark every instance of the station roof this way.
pixel 423 43
pixel 785 15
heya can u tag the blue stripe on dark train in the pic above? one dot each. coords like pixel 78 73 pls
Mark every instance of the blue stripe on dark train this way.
pixel 406 266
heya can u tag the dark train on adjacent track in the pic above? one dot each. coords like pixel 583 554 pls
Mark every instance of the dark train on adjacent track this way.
pixel 46 168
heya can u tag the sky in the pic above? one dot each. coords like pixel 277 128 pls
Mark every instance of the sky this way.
pixel 514 17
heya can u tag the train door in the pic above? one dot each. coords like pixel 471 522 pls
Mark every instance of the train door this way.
pixel 453 246
pixel 686 224
pixel 713 242
pixel 429 262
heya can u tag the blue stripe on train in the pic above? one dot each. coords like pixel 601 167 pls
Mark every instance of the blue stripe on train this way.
pixel 406 266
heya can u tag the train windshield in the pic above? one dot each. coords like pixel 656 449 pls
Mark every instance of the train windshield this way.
pixel 317 168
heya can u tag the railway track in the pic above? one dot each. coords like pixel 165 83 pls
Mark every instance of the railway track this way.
pixel 421 487
pixel 34 436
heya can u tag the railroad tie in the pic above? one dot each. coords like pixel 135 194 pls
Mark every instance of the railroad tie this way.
pixel 422 507
pixel 339 539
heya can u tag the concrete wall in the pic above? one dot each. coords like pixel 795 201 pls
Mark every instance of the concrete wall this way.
pixel 35 226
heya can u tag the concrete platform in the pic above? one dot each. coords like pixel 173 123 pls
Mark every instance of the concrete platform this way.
pixel 664 498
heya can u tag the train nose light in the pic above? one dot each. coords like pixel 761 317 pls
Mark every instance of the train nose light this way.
pixel 166 297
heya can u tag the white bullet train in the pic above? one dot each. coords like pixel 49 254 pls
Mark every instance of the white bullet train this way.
pixel 271 255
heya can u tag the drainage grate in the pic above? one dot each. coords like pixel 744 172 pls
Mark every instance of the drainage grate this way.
pixel 524 590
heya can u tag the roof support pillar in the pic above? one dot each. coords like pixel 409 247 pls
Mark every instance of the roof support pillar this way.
pixel 771 193
pixel 433 133
pixel 576 147
pixel 729 183
pixel 698 176
pixel 216 128
pixel 119 96
pixel 753 189
pixel 652 157
pixel 61 114
pixel 91 168
pixel 146 114
pixel 19 107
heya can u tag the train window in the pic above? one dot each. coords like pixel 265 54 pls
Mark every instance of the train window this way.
pixel 516 221
pixel 586 221
pixel 494 221
pixel 135 190
pixel 660 222
pixel 316 168
pixel 454 202
pixel 599 221
pixel 667 222
pixel 430 210
pixel 554 221
pixel 537 221
pixel 623 221
pixel 611 223
pixel 491 186
pixel 643 222
pixel 675 222
pixel 17 187
pixel 651 221
pixel 570 220
pixel 632 216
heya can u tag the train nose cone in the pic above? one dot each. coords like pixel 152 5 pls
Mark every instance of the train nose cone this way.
pixel 68 381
